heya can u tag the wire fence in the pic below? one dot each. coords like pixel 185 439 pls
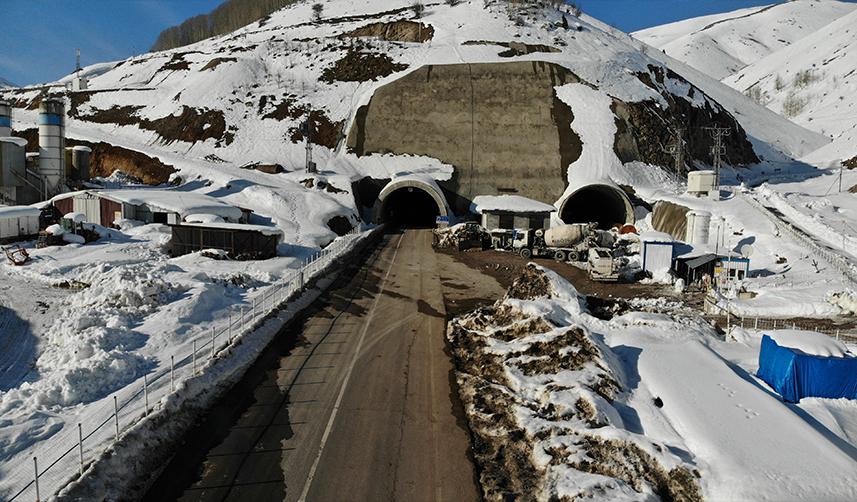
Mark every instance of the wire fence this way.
pixel 68 454
pixel 729 320
pixel 833 258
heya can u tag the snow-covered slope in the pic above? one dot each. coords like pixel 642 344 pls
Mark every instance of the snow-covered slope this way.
pixel 722 44
pixel 813 82
pixel 5 83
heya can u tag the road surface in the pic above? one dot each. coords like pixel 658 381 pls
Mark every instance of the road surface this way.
pixel 355 401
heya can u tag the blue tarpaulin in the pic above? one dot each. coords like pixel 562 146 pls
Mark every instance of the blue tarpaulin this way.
pixel 795 375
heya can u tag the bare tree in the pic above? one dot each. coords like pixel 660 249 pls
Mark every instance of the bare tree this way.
pixel 317 9
pixel 418 9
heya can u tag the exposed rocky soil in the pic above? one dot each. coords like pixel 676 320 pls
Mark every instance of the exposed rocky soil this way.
pixel 850 163
pixel 398 31
pixel 357 66
pixel 214 63
pixel 514 48
pixel 107 158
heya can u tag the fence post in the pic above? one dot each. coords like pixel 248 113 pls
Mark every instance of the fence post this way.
pixel 253 317
pixel 243 325
pixel 837 334
pixel 116 416
pixel 213 336
pixel 80 445
pixel 230 328
pixel 146 395
pixel 36 468
pixel 194 357
pixel 756 324
pixel 793 325
pixel 172 373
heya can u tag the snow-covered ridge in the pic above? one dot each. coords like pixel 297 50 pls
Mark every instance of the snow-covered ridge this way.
pixel 721 44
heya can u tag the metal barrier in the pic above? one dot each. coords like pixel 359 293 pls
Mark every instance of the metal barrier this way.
pixel 75 447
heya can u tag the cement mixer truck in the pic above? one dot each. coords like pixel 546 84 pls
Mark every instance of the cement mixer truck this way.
pixel 562 243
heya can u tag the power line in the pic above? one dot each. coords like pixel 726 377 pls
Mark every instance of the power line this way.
pixel 718 150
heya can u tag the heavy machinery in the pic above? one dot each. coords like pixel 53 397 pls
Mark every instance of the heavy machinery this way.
pixel 562 243
pixel 602 266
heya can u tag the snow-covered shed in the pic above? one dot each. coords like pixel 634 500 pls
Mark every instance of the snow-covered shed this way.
pixel 254 242
pixel 656 252
pixel 18 222
pixel 511 212
pixel 104 207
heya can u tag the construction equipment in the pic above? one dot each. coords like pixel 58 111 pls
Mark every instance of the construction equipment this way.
pixel 562 243
pixel 602 266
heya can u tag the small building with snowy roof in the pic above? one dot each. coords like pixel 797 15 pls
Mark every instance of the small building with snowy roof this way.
pixel 18 222
pixel 238 241
pixel 507 212
pixel 104 207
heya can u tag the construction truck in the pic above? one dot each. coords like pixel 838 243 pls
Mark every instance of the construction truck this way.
pixel 602 266
pixel 562 243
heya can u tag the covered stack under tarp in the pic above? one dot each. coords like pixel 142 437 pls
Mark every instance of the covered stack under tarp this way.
pixel 796 374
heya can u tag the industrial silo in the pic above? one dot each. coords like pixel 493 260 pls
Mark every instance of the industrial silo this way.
pixel 77 162
pixel 52 144
pixel 698 223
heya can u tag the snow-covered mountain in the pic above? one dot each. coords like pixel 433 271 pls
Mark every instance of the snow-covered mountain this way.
pixel 722 44
pixel 5 83
pixel 813 82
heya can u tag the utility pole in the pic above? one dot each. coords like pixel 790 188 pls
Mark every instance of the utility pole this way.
pixel 676 151
pixel 307 130
pixel 77 62
pixel 718 150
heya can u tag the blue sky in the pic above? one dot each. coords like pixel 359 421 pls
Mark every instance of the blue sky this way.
pixel 39 37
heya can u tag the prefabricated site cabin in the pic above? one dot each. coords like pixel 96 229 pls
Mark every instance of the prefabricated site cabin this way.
pixel 656 252
pixel 18 223
pixel 510 212
pixel 252 242
pixel 105 207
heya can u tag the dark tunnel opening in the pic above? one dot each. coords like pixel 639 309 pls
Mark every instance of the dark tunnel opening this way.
pixel 410 207
pixel 595 203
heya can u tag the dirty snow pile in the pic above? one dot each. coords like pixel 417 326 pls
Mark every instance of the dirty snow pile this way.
pixel 542 395
pixel 642 405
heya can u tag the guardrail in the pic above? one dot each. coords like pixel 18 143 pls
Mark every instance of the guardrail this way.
pixel 834 259
pixel 75 448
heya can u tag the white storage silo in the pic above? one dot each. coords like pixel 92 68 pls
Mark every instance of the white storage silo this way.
pixel 52 144
pixel 698 223
pixel 5 119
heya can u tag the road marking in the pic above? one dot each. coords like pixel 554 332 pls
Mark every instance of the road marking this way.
pixel 338 402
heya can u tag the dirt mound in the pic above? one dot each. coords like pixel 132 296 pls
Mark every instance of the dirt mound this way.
pixel 325 132
pixel 532 284
pixel 532 428
pixel 357 66
pixel 107 158
pixel 119 115
pixel 670 218
pixel 396 31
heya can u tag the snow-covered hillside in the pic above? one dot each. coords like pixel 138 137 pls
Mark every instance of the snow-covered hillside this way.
pixel 813 82
pixel 722 44
pixel 5 83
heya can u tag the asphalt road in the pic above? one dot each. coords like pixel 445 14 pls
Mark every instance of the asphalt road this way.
pixel 356 400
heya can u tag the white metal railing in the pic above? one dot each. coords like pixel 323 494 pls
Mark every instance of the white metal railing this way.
pixel 834 259
pixel 69 453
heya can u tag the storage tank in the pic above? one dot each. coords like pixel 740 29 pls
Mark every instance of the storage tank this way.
pixel 698 223
pixel 52 144
pixel 5 119
pixel 77 162
pixel 564 236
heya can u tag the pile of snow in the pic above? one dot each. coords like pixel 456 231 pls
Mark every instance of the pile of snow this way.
pixel 809 342
pixel 510 203
pixel 204 218
pixel 76 217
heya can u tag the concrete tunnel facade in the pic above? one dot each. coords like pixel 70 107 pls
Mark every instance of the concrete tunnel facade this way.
pixel 599 202
pixel 411 199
